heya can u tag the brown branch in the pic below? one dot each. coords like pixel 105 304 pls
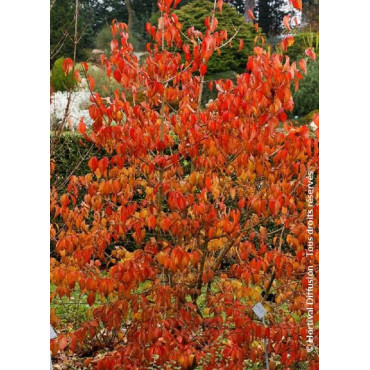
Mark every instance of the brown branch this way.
pixel 274 271
pixel 69 96
pixel 75 168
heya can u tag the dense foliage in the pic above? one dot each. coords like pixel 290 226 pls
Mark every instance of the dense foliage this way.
pixel 58 79
pixel 194 15
pixel 270 16
pixel 62 16
pixel 93 16
pixel 306 99
pixel 71 154
pixel 310 14
pixel 104 85
pixel 302 41
pixel 213 198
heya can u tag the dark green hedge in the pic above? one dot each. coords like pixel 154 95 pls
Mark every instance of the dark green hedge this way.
pixel 194 14
pixel 306 99
pixel 302 41
pixel 58 79
pixel 72 151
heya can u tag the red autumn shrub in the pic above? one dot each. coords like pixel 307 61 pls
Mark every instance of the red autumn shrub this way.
pixel 197 214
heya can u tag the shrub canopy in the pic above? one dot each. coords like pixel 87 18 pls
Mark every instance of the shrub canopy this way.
pixel 194 14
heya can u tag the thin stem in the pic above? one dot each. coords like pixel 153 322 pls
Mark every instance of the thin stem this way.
pixel 274 271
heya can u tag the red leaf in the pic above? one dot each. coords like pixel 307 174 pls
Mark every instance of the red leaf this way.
pixel 263 119
pixel 73 342
pixel 203 69
pixel 54 347
pixel 208 183
pixel 241 44
pixel 286 21
pixel 310 53
pixel 77 76
pixel 91 298
pixel 267 333
pixel 93 164
pixel 278 261
pixel 303 66
pixel 297 4
pixel 282 115
pixel 62 342
pixel 272 206
pixel 117 75
pixel 91 82
pixel 251 15
pixel 82 127
pixel 219 4
pixel 67 65
pixel 151 222
pixel 287 41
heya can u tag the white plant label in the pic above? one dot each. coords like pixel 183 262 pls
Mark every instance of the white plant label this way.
pixel 259 310
pixel 53 334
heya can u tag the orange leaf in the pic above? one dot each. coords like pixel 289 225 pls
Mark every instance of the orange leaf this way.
pixel 93 164
pixel 282 115
pixel 310 53
pixel 208 183
pixel 278 261
pixel 203 69
pixel 287 41
pixel 91 82
pixel 82 127
pixel 62 342
pixel 91 298
pixel 67 65
pixel 54 347
pixel 297 4
pixel 251 15
pixel 286 21
pixel 241 44
pixel 219 4
pixel 263 232
pixel 152 222
pixel 303 66
pixel 117 75
pixel 77 76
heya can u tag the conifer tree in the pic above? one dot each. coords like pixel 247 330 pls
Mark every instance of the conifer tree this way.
pixel 270 15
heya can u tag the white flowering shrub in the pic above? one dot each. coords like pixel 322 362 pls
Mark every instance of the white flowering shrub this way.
pixel 78 108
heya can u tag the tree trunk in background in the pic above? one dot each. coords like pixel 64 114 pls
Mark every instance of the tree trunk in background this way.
pixel 248 4
pixel 131 15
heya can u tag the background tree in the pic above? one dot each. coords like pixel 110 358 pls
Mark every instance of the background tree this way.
pixel 249 4
pixel 61 21
pixel 306 99
pixel 242 7
pixel 62 15
pixel 310 14
pixel 270 15
pixel 194 14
